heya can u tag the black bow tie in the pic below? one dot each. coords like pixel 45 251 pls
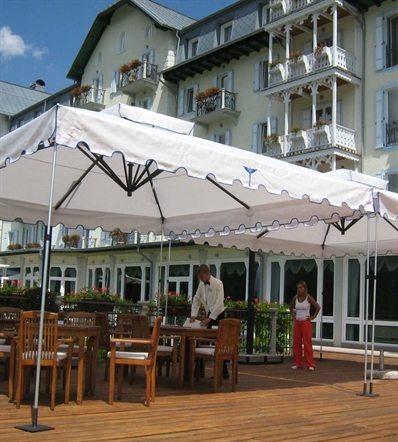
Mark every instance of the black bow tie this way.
pixel 207 283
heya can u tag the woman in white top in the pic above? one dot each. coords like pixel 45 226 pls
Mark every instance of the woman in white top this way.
pixel 302 328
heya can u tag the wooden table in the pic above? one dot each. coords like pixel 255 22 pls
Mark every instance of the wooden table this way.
pixel 81 332
pixel 185 333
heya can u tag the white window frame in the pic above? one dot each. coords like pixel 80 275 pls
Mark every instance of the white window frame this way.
pixel 183 99
pixel 121 46
pixel 215 137
pixel 191 44
pixel 265 14
pixel 223 28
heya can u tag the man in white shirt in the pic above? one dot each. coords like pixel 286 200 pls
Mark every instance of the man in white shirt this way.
pixel 210 293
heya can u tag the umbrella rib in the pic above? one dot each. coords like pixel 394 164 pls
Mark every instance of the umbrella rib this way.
pixel 154 192
pixel 260 235
pixel 326 234
pixel 391 224
pixel 73 186
pixel 228 193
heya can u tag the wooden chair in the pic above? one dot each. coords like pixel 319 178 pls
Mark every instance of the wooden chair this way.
pixel 102 320
pixel 10 313
pixel 141 358
pixel 27 350
pixel 5 352
pixel 138 326
pixel 225 349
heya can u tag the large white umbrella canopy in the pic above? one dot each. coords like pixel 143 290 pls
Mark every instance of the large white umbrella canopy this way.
pixel 111 172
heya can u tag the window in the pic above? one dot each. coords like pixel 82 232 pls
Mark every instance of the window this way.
pixel 13 237
pixel 392 117
pixel 386 117
pixel 186 99
pixel 226 33
pixel 99 58
pixel 222 137
pixel 36 114
pixel 122 42
pixel 148 32
pixel 233 276
pixel 259 132
pixel 392 42
pixel 193 47
pixel 393 182
pixel 189 100
pixel 261 75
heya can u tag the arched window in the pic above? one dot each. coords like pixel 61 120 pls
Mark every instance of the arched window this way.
pixel 148 31
pixel 99 58
pixel 122 42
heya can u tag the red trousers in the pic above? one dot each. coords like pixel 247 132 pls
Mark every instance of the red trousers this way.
pixel 302 334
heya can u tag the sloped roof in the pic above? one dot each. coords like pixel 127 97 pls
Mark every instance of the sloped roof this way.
pixel 162 16
pixel 15 98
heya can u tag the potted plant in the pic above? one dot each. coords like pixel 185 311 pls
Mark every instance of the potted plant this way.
pixel 125 68
pixel 85 89
pixel 296 131
pixel 14 247
pixel 103 299
pixel 135 64
pixel 318 50
pixel 212 91
pixel 74 240
pixel 318 124
pixel 295 56
pixel 200 96
pixel 32 245
pixel 273 63
pixel 76 92
pixel 271 139
pixel 118 237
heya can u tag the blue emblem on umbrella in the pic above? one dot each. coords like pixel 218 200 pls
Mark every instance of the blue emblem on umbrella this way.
pixel 250 172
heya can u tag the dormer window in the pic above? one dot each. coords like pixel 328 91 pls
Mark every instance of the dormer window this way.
pixel 122 42
pixel 193 47
pixel 226 32
pixel 148 32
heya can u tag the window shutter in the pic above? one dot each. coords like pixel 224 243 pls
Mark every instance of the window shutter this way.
pixel 230 81
pixel 215 80
pixel 101 81
pixel 228 136
pixel 149 99
pixel 308 47
pixel 255 128
pixel 379 42
pixel 151 56
pixel 114 77
pixel 379 119
pixel 195 91
pixel 256 82
pixel 181 102
pixel 274 125
pixel 213 138
pixel 338 112
pixel 306 123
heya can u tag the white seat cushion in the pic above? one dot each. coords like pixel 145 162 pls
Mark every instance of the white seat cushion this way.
pixel 205 351
pixel 126 344
pixel 5 348
pixel 129 355
pixel 47 355
pixel 64 347
pixel 165 349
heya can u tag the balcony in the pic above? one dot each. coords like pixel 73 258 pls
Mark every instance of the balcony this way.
pixel 217 108
pixel 139 79
pixel 91 100
pixel 312 64
pixel 279 8
pixel 314 139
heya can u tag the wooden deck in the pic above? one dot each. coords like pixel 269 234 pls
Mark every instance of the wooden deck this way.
pixel 272 403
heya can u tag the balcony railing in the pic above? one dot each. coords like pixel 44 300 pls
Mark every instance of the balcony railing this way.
pixel 314 138
pixel 312 63
pixel 140 75
pixel 94 99
pixel 392 133
pixel 280 8
pixel 222 100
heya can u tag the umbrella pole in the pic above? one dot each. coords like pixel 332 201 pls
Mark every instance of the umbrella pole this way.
pixel 364 392
pixel 371 394
pixel 160 273
pixel 35 427
pixel 167 282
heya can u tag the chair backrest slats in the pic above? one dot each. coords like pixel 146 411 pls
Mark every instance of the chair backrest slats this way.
pixel 228 336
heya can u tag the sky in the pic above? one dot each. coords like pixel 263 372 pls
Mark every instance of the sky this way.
pixel 41 38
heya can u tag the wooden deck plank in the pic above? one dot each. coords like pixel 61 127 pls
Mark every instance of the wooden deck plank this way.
pixel 272 403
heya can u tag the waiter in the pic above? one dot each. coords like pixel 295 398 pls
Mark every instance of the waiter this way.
pixel 210 293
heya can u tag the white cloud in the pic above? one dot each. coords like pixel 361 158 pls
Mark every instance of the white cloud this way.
pixel 13 45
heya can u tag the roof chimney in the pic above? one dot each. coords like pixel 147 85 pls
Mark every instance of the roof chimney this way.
pixel 38 85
